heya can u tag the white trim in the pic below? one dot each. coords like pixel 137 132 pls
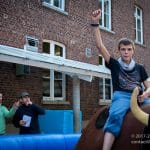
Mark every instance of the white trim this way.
pixel 52 84
pixel 64 86
pixel 82 77
pixel 20 56
pixel 137 17
pixel 29 47
pixel 52 76
pixel 109 15
pixel 51 6
pixel 52 47
pixel 104 100
pixel 103 60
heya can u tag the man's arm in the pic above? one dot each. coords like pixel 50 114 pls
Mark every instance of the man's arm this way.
pixel 11 112
pixel 16 119
pixel 96 16
pixel 38 109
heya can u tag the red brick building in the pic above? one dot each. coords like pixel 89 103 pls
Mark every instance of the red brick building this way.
pixel 62 28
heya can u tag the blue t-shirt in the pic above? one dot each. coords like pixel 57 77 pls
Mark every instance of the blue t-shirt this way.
pixel 124 80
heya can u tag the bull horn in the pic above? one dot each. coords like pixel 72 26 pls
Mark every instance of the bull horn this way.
pixel 136 110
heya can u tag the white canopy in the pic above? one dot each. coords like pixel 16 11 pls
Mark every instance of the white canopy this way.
pixel 84 71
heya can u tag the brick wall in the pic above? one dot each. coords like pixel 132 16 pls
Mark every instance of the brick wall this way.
pixel 29 17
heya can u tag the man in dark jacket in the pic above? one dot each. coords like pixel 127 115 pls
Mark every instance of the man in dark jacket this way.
pixel 26 116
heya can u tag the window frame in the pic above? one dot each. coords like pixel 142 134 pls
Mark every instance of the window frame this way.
pixel 103 61
pixel 105 101
pixel 52 98
pixel 51 5
pixel 28 46
pixel 138 18
pixel 109 28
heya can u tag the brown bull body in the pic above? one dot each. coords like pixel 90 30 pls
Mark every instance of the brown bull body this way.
pixel 129 138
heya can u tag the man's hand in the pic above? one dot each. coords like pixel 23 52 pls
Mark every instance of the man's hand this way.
pixel 96 16
pixel 28 102
pixel 143 96
pixel 22 122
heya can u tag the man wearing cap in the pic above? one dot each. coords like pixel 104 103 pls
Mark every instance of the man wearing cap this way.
pixel 5 113
pixel 26 116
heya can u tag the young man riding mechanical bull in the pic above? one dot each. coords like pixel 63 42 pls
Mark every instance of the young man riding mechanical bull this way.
pixel 144 118
pixel 120 131
pixel 135 132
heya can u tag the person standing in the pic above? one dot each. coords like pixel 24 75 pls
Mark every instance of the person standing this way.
pixel 5 113
pixel 26 116
pixel 126 75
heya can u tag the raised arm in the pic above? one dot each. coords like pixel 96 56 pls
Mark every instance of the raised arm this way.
pixel 11 112
pixel 96 16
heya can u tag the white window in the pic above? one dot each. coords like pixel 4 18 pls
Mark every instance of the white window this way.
pixel 58 4
pixel 105 21
pixel 54 83
pixel 31 44
pixel 138 25
pixel 101 60
pixel 105 89
pixel 105 86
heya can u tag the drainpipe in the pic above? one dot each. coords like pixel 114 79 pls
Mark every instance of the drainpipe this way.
pixel 76 104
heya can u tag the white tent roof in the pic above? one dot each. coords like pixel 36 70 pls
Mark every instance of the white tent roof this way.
pixel 84 71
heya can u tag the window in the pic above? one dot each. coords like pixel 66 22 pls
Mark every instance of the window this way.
pixel 105 89
pixel 56 4
pixel 22 70
pixel 138 25
pixel 31 44
pixel 105 21
pixel 101 60
pixel 54 83
pixel 105 85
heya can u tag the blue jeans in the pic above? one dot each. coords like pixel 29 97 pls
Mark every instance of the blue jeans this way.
pixel 146 101
pixel 118 109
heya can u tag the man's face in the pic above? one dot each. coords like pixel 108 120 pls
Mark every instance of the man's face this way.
pixel 25 100
pixel 126 52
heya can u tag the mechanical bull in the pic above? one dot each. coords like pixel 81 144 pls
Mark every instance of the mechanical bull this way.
pixel 144 118
pixel 134 135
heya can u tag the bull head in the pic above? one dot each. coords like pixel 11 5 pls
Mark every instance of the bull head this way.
pixel 142 117
pixel 92 137
pixel 136 110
